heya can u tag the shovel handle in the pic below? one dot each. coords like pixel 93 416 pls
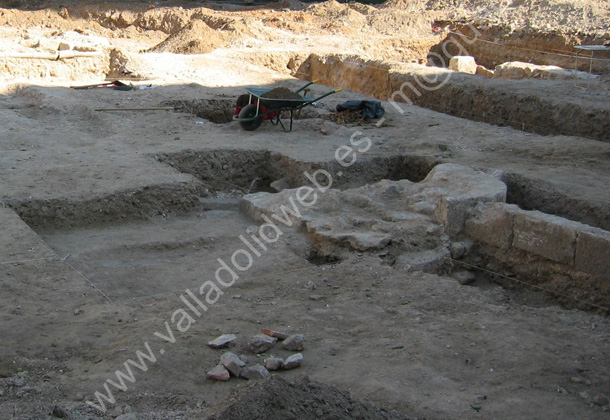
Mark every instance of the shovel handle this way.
pixel 325 95
pixel 164 108
pixel 308 84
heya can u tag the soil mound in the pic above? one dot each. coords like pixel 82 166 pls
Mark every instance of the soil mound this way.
pixel 333 14
pixel 406 22
pixel 556 16
pixel 197 37
pixel 287 4
pixel 281 399
pixel 281 93
pixel 403 4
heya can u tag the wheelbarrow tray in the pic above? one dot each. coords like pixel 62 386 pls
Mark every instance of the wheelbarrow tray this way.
pixel 277 104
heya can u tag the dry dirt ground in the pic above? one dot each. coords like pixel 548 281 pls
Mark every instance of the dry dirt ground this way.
pixel 107 218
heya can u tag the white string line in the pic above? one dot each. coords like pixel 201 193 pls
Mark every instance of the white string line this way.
pixel 575 55
pixel 30 260
pixel 88 281
pixel 309 267
pixel 57 258
pixel 531 285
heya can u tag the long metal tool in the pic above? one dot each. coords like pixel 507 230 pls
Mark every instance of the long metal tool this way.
pixel 154 108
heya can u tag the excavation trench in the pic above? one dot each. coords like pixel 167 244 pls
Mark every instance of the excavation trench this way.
pixel 134 236
pixel 217 111
pixel 521 104
pixel 252 171
pixel 536 194
pixel 496 45
pixel 126 245
pixel 232 171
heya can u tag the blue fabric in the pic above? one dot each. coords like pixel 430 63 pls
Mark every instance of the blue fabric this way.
pixel 370 109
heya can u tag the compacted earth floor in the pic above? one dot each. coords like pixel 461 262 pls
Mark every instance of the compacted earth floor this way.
pixel 105 228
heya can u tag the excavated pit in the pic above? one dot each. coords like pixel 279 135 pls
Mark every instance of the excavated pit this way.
pixel 221 171
pixel 207 213
pixel 536 194
pixel 121 248
pixel 252 171
pixel 217 111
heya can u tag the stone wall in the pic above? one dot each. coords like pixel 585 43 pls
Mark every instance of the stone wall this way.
pixel 569 258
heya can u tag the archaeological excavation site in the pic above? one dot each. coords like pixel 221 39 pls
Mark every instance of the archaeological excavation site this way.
pixel 320 210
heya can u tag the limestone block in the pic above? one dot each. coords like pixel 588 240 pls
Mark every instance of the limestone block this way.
pixel 492 224
pixel 549 236
pixel 463 64
pixel 593 252
pixel 484 71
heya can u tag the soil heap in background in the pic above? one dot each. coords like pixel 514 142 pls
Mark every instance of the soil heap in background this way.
pixel 195 38
pixel 554 16
pixel 281 399
pixel 281 93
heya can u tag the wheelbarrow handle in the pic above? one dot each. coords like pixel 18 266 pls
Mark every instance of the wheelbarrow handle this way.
pixel 325 95
pixel 308 84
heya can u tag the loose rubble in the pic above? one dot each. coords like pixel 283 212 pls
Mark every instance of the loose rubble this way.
pixel 294 342
pixel 219 373
pixel 255 372
pixel 293 361
pixel 274 363
pixel 261 343
pixel 233 363
pixel 464 277
pixel 224 340
pixel 277 334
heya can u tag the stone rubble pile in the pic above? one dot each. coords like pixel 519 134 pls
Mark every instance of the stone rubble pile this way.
pixel 232 365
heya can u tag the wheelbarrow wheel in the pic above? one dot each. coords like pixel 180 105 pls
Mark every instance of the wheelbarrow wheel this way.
pixel 249 112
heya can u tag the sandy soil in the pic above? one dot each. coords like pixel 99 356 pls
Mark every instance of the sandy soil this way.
pixel 108 217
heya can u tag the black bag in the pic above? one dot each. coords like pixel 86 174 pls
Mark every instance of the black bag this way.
pixel 370 109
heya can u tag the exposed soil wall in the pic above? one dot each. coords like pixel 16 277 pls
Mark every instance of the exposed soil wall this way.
pixel 532 194
pixel 143 203
pixel 251 171
pixel 500 102
pixel 497 45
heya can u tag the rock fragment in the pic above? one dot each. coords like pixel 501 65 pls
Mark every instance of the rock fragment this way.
pixel 277 334
pixel 484 71
pixel 255 372
pixel 293 361
pixel 463 64
pixel 274 363
pixel 463 277
pixel 260 343
pixel 294 343
pixel 458 250
pixel 233 363
pixel 219 373
pixel 223 341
